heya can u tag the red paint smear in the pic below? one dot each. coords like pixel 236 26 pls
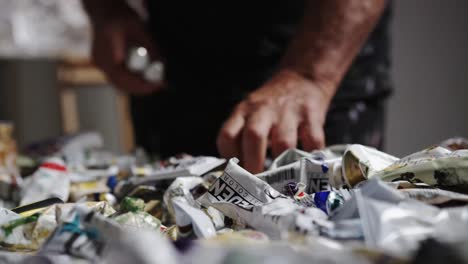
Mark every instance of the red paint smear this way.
pixel 53 166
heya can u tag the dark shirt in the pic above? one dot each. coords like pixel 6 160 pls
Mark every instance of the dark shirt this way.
pixel 232 47
pixel 216 52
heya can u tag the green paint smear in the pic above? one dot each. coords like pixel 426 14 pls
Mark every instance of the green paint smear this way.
pixel 130 204
pixel 8 228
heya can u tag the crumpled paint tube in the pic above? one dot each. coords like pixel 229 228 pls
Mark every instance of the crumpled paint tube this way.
pixel 187 215
pixel 247 199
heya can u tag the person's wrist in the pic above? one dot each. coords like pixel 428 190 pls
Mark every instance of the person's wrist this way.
pixel 313 85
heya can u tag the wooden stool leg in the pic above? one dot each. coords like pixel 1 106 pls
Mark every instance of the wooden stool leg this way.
pixel 68 103
pixel 125 123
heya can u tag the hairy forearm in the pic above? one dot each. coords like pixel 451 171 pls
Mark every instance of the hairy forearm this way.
pixel 331 35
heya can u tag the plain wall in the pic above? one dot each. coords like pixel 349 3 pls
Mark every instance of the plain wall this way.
pixel 430 66
pixel 97 111
pixel 29 98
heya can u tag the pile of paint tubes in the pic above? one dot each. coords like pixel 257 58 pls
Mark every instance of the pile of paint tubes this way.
pixel 341 204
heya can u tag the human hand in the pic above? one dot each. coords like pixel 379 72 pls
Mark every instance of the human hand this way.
pixel 114 34
pixel 287 109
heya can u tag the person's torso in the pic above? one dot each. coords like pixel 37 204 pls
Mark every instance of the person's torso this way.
pixel 227 47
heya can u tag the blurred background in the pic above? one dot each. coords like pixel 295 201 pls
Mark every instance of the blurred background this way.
pixel 48 86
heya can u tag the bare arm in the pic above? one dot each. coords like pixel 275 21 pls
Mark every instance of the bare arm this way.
pixel 292 105
pixel 331 35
